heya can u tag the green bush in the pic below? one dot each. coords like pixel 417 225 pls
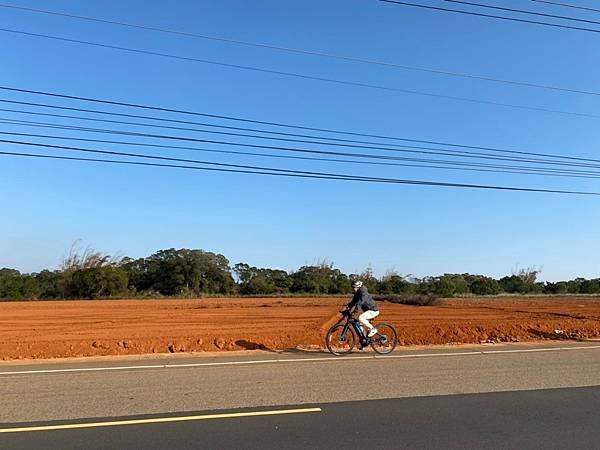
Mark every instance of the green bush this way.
pixel 15 286
pixel 480 285
pixel 396 284
pixel 98 282
pixel 192 273
pixel 254 281
pixel 173 272
pixel 321 279
pixel 410 299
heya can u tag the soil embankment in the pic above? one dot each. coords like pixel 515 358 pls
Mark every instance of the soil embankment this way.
pixel 119 327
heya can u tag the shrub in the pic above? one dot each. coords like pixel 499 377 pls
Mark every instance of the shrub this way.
pixel 15 286
pixel 480 285
pixel 410 299
pixel 97 282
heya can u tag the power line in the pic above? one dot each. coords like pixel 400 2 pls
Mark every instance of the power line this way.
pixel 408 149
pixel 491 16
pixel 259 122
pixel 162 119
pixel 305 51
pixel 303 76
pixel 137 163
pixel 232 151
pixel 566 5
pixel 523 11
pixel 95 111
pixel 477 167
pixel 165 158
pixel 372 145
pixel 315 175
pixel 272 147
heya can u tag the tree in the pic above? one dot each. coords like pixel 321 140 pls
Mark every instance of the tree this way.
pixel 15 286
pixel 98 282
pixel 87 264
pixel 517 285
pixel 255 281
pixel 183 271
pixel 482 285
pixel 321 279
pixel 447 285
pixel 394 283
pixel 522 281
pixel 512 284
pixel 51 284
pixel 529 275
pixel 560 287
pixel 590 286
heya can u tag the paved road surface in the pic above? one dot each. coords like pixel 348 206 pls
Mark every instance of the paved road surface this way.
pixel 410 400
pixel 34 396
pixel 547 419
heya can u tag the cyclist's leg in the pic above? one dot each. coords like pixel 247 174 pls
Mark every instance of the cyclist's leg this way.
pixel 366 316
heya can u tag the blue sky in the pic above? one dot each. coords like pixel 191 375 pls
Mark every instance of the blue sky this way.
pixel 286 223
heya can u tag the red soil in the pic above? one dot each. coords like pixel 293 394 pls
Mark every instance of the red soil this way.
pixel 115 327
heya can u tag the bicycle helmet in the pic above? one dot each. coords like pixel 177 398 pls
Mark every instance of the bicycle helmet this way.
pixel 357 284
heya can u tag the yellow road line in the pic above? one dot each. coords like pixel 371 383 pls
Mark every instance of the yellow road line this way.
pixel 159 420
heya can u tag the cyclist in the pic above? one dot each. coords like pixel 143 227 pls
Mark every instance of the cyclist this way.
pixel 363 300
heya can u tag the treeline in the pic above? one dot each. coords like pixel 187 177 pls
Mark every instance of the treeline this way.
pixel 192 273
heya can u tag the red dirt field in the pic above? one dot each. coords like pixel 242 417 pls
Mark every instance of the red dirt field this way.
pixel 57 329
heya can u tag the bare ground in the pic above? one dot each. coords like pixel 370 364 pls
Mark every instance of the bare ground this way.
pixel 36 330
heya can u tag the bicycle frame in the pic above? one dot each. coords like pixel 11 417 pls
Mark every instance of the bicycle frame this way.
pixel 352 322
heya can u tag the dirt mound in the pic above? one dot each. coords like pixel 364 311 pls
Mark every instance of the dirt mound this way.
pixel 114 327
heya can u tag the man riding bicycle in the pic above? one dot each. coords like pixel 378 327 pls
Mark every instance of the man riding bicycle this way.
pixel 363 300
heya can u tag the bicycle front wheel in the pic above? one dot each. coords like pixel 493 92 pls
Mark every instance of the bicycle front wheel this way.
pixel 385 340
pixel 339 343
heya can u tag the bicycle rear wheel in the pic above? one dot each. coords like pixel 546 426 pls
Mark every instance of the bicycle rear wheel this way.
pixel 340 345
pixel 385 340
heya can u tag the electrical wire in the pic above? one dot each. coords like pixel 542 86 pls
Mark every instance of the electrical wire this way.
pixel 372 145
pixel 302 51
pixel 452 165
pixel 304 76
pixel 490 16
pixel 260 122
pixel 566 5
pixel 314 175
pixel 407 149
pixel 523 11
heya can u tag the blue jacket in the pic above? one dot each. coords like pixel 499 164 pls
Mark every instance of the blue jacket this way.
pixel 362 299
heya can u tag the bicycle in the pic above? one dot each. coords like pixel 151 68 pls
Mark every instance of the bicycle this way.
pixel 341 337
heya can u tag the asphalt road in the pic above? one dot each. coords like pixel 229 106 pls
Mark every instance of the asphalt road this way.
pixel 40 393
pixel 468 397
pixel 540 419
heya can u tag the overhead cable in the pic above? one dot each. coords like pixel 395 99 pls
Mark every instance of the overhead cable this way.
pixel 314 175
pixel 306 77
pixel 261 122
pixel 302 51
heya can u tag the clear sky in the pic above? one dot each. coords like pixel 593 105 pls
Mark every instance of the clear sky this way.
pixel 286 223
